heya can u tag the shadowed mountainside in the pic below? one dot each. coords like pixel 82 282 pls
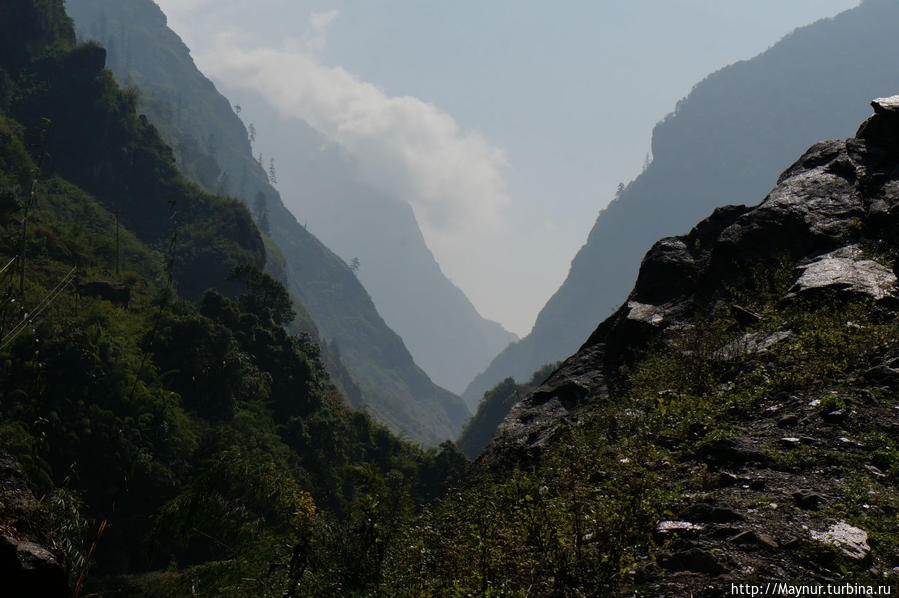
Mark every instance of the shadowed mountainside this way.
pixel 213 147
pixel 739 407
pixel 320 183
pixel 725 142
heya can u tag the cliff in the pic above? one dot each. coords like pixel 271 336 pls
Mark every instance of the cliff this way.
pixel 724 143
pixel 755 360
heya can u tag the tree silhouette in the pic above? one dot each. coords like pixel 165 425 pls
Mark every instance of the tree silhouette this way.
pixel 272 173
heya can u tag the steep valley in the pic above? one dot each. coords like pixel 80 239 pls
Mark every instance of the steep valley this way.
pixel 170 424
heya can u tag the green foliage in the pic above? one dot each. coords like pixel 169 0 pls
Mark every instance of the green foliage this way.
pixel 195 428
pixel 265 297
pixel 202 437
pixel 32 27
pixel 64 507
pixel 573 523
pixel 105 149
pixel 210 144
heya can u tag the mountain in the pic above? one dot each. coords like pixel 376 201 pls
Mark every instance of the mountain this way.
pixel 157 435
pixel 733 422
pixel 725 142
pixel 482 426
pixel 444 332
pixel 212 145
pixel 731 427
pixel 121 159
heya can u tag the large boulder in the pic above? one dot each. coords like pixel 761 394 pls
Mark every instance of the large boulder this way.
pixel 31 562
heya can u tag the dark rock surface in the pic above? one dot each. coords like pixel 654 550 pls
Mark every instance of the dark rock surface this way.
pixel 751 538
pixel 816 215
pixel 807 499
pixel 31 564
pixel 769 507
pixel 706 513
pixel 695 560
pixel 724 143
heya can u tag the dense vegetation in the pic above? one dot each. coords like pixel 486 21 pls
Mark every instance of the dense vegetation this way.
pixel 103 147
pixel 148 385
pixel 582 519
pixel 726 142
pixel 366 358
pixel 444 333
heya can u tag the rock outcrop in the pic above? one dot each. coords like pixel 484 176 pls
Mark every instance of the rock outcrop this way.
pixel 770 501
pixel 723 143
pixel 31 563
pixel 836 194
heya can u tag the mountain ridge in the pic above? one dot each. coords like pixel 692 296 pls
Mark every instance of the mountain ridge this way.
pixel 160 428
pixel 213 146
pixel 732 132
pixel 445 333
pixel 743 391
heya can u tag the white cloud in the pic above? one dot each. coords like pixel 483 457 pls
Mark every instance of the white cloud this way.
pixel 316 35
pixel 407 147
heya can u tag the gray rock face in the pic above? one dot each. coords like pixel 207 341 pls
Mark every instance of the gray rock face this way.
pixel 648 314
pixel 752 342
pixel 845 270
pixel 725 143
pixel 833 196
pixel 886 105
pixel 531 424
pixel 852 541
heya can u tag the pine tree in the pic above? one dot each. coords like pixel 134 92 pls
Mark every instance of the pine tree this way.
pixel 272 174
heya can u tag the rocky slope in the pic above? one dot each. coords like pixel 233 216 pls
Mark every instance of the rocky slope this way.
pixel 725 142
pixel 32 562
pixel 212 146
pixel 791 473
pixel 493 409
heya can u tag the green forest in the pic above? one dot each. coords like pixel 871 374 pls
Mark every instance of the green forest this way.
pixel 182 414
pixel 367 360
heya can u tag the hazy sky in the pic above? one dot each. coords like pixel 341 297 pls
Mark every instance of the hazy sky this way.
pixel 507 124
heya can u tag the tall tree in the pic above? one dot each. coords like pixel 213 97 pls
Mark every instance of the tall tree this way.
pixel 272 173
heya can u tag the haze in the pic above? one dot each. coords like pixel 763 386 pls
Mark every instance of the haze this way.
pixel 506 125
